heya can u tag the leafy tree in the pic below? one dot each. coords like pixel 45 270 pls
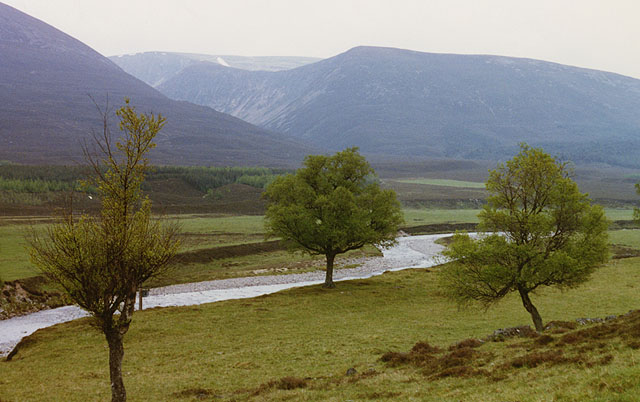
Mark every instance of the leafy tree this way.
pixel 545 233
pixel 331 206
pixel 102 261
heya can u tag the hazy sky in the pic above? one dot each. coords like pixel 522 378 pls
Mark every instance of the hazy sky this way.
pixel 600 34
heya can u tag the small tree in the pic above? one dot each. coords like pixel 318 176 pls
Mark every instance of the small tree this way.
pixel 102 261
pixel 331 206
pixel 546 233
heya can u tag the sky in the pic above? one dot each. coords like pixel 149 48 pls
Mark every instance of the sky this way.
pixel 598 34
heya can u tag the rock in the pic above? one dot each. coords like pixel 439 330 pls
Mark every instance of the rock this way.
pixel 501 334
pixel 351 371
pixel 585 321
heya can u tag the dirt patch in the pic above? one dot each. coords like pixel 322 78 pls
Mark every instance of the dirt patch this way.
pixel 544 340
pixel 376 396
pixel 284 383
pixel 197 393
pixel 26 296
pixel 459 361
pixel 535 359
pixel 467 343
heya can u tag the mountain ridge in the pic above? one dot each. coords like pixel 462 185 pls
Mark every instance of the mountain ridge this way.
pixel 154 68
pixel 46 77
pixel 463 106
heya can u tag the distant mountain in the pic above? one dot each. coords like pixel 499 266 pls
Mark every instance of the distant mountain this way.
pixel 410 103
pixel 46 78
pixel 154 68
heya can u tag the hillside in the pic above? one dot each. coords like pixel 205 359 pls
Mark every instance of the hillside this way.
pixel 154 68
pixel 46 78
pixel 406 103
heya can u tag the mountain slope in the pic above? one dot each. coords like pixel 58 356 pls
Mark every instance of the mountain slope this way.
pixel 46 78
pixel 402 102
pixel 154 68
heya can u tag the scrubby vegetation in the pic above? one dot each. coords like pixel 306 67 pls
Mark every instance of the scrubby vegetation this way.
pixel 40 179
pixel 210 178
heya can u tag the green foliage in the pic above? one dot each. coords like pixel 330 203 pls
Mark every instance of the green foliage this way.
pixel 210 178
pixel 331 206
pixel 549 235
pixel 260 181
pixel 102 261
pixel 42 179
pixel 34 186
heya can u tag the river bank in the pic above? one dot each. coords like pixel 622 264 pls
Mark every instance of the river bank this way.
pixel 409 252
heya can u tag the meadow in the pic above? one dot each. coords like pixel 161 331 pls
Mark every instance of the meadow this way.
pixel 202 232
pixel 299 344
pixel 307 338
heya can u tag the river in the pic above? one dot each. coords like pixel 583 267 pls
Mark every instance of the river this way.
pixel 409 252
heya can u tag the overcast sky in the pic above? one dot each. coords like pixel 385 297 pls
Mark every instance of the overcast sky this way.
pixel 600 34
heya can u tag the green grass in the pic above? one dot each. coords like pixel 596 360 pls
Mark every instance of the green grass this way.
pixel 615 214
pixel 215 224
pixel 268 263
pixel 211 230
pixel 14 258
pixel 625 237
pixel 415 217
pixel 230 348
pixel 443 182
pixel 425 216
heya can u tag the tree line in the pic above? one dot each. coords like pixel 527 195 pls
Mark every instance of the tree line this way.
pixel 44 179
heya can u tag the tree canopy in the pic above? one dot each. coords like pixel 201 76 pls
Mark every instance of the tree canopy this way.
pixel 539 230
pixel 331 205
pixel 102 261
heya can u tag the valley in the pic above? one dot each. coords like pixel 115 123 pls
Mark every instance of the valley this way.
pixel 272 174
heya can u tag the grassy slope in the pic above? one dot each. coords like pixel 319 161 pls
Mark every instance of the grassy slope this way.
pixel 231 348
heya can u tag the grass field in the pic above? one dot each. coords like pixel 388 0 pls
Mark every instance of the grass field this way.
pixel 443 182
pixel 206 231
pixel 14 258
pixel 239 350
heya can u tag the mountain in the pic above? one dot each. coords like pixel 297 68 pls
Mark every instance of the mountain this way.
pixel 46 78
pixel 154 68
pixel 406 103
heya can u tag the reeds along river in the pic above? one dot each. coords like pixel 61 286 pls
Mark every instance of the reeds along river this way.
pixel 409 252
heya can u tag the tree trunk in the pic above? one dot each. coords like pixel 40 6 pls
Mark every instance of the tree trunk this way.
pixel 526 302
pixel 328 281
pixel 116 353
